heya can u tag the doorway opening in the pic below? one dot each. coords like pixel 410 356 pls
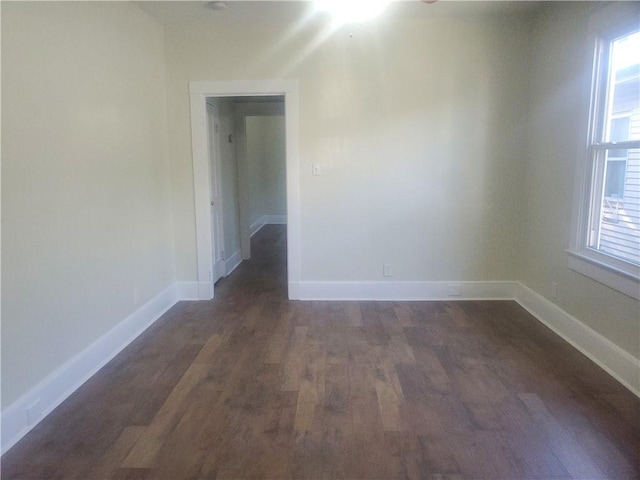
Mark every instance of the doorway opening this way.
pixel 247 164
pixel 246 173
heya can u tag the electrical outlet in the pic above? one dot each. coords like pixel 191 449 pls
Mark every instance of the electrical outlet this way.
pixel 387 270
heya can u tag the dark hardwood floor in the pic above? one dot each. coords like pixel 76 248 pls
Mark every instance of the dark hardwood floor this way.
pixel 250 385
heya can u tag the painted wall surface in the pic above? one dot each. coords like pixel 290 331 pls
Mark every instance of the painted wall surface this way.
pixel 266 166
pixel 418 125
pixel 561 76
pixel 86 217
pixel 446 147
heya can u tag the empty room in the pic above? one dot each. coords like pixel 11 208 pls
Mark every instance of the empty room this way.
pixel 320 239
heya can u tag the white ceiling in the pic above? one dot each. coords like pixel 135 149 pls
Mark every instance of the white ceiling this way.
pixel 185 12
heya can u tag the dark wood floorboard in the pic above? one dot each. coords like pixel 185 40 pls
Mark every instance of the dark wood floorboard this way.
pixel 251 385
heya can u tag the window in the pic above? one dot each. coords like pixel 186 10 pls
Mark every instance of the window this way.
pixel 609 228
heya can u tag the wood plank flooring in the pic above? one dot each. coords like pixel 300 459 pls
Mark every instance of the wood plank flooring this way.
pixel 250 385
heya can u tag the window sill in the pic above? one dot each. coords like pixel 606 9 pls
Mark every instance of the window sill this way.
pixel 620 280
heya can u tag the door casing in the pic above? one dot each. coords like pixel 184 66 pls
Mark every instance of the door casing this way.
pixel 198 92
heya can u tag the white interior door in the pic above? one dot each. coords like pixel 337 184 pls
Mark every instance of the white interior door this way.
pixel 217 236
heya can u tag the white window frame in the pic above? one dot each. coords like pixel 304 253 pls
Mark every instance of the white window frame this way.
pixel 616 273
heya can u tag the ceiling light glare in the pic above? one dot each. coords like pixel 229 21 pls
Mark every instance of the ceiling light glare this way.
pixel 351 11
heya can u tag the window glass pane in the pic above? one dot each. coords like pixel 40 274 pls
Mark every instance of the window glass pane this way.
pixel 620 129
pixel 614 178
pixel 624 89
pixel 617 229
pixel 619 132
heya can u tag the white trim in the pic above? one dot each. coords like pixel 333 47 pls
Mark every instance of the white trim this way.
pixel 215 189
pixel 620 364
pixel 189 290
pixel 256 226
pixel 267 220
pixel 294 290
pixel 232 262
pixel 407 291
pixel 243 181
pixel 606 274
pixel 275 219
pixel 198 92
pixel 26 412
pixel 205 291
pixel 201 176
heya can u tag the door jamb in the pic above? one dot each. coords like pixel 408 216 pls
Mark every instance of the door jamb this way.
pixel 213 150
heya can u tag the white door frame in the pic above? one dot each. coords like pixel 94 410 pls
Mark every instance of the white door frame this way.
pixel 198 91
pixel 215 188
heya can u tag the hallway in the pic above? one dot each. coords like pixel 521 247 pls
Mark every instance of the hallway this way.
pixel 251 385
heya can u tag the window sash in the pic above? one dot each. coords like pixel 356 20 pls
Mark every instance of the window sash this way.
pixel 626 145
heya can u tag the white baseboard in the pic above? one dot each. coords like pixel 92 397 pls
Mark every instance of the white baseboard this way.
pixel 232 262
pixel 294 290
pixel 621 365
pixel 256 226
pixel 188 290
pixel 26 412
pixel 205 291
pixel 266 220
pixel 406 291
pixel 275 219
